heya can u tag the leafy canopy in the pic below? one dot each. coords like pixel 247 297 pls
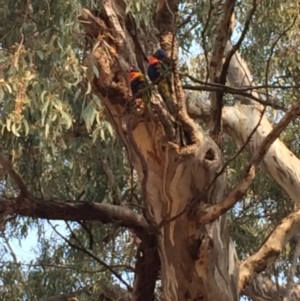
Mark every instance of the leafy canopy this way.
pixel 57 137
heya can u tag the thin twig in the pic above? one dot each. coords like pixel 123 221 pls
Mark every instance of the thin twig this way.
pixel 129 288
pixel 203 36
pixel 68 267
pixel 234 91
pixel 216 70
pixel 237 45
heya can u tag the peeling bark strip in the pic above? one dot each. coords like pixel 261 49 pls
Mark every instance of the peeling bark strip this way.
pixel 198 262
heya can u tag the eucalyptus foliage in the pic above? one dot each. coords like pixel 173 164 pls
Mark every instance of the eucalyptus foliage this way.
pixel 55 132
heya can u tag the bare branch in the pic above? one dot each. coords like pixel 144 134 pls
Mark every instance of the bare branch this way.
pixel 206 214
pixel 147 268
pixel 93 256
pixel 237 45
pixel 78 211
pixel 270 250
pixel 67 267
pixel 224 33
pixel 14 175
pixel 214 87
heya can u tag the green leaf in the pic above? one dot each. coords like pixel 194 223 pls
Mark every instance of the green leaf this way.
pixel 47 128
pixel 96 71
pixel 43 95
pixel 1 93
pixel 77 94
pixel 138 6
pixel 40 54
pixel 8 124
pixel 8 88
pixel 89 89
pixel 102 134
pixel 67 118
pixel 26 125
pixel 109 128
pixel 44 110
pixel 15 130
pixel 89 115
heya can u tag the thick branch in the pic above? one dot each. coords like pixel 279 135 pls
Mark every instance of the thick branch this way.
pixel 209 214
pixel 78 211
pixel 147 268
pixel 225 30
pixel 270 250
pixel 239 120
pixel 239 74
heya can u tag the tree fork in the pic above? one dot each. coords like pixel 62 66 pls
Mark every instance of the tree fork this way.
pixel 198 262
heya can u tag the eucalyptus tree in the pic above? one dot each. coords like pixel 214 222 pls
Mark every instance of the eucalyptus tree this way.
pixel 196 205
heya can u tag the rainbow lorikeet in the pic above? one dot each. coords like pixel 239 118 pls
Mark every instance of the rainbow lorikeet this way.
pixel 139 82
pixel 137 79
pixel 158 72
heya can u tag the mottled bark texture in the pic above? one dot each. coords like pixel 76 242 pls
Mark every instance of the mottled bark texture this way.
pixel 198 262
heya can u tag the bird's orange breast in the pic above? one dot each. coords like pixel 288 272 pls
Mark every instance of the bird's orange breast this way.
pixel 134 75
pixel 153 60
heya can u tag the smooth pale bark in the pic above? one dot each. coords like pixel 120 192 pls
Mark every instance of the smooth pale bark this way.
pixel 280 163
pixel 239 120
pixel 198 262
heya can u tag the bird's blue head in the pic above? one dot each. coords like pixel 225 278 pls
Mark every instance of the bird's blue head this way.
pixel 160 54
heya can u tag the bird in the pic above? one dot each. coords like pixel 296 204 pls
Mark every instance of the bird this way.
pixel 158 63
pixel 158 72
pixel 138 82
pixel 137 79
